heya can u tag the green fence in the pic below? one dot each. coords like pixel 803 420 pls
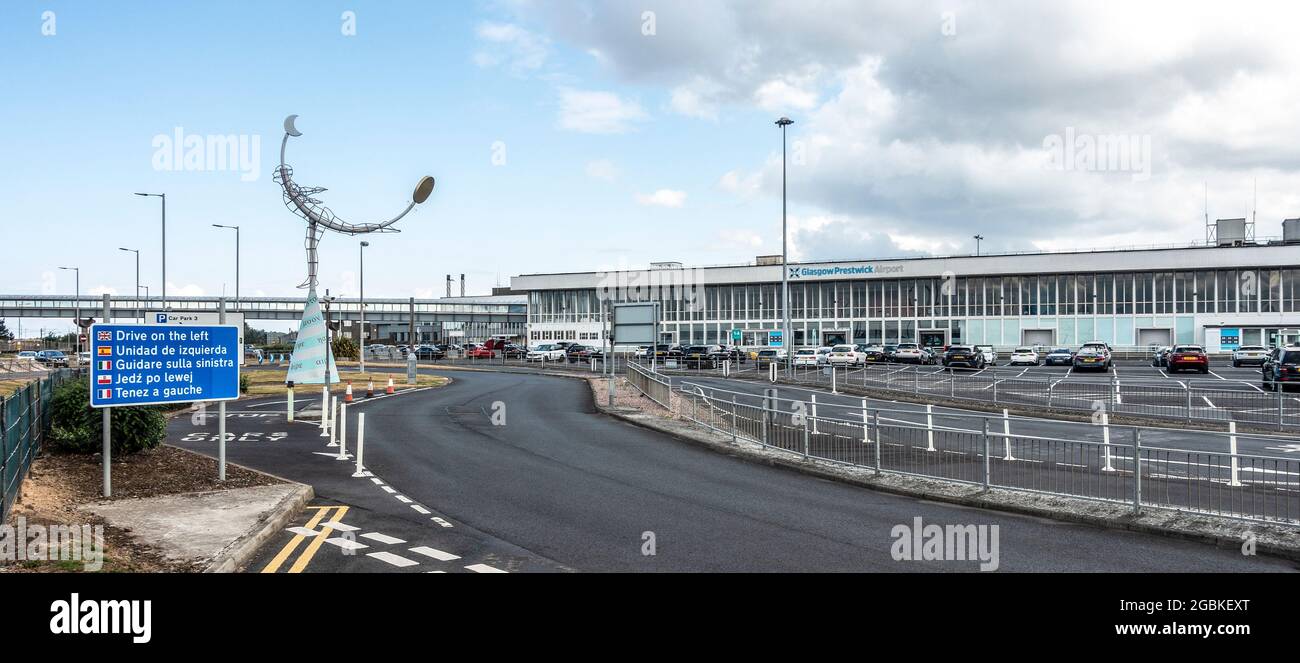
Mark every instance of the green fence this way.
pixel 24 421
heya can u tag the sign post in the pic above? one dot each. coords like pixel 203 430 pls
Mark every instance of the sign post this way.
pixel 108 424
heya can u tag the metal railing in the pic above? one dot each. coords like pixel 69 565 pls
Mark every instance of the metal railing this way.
pixel 655 387
pixel 1175 399
pixel 24 420
pixel 983 450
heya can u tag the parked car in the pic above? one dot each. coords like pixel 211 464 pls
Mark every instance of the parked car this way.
pixel 889 351
pixel 1249 354
pixel 805 357
pixel 1160 358
pixel 52 358
pixel 990 355
pixel 545 352
pixel 429 352
pixel 27 354
pixel 577 352
pixel 912 353
pixel 731 353
pixel 769 355
pixel 665 351
pixel 1023 356
pixel 875 354
pixel 1091 358
pixel 1281 369
pixel 514 351
pixel 701 356
pixel 964 356
pixel 641 352
pixel 1059 357
pixel 1189 357
pixel 83 357
pixel 480 352
pixel 845 355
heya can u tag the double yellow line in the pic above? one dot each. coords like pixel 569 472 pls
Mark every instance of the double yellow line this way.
pixel 307 554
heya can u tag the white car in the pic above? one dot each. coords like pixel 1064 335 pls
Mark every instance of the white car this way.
pixel 990 355
pixel 642 352
pixel 806 357
pixel 823 355
pixel 1249 354
pixel 1024 356
pixel 911 353
pixel 845 355
pixel 545 352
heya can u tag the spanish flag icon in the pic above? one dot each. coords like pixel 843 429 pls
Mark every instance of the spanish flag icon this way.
pixel 106 351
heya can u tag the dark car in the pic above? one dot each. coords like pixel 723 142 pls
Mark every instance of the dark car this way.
pixel 1188 358
pixel 1282 368
pixel 514 351
pixel 732 353
pixel 964 356
pixel 701 356
pixel 1160 358
pixel 430 352
pixel 576 353
pixel 875 354
pixel 1059 357
pixel 1091 358
pixel 662 352
pixel 889 352
pixel 52 358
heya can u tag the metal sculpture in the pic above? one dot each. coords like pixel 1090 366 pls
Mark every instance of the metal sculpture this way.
pixel 312 361
pixel 301 201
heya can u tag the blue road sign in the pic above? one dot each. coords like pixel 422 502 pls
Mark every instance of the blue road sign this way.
pixel 774 339
pixel 152 364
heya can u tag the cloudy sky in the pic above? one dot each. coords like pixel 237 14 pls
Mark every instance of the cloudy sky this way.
pixel 585 135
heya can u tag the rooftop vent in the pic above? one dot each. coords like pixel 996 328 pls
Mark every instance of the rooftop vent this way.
pixel 1233 232
pixel 767 260
pixel 671 264
pixel 1291 231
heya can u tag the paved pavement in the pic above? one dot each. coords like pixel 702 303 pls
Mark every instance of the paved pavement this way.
pixel 561 487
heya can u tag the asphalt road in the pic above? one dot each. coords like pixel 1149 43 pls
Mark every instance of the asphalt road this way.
pixel 561 487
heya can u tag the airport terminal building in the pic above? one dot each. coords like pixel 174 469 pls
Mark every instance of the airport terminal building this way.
pixel 1221 294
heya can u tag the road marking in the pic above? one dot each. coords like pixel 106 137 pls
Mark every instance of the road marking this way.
pixel 343 527
pixel 395 560
pixel 1208 402
pixel 382 538
pixel 347 544
pixel 403 499
pixel 435 553
pixel 420 509
pixel 274 564
pixel 484 568
pixel 305 558
pixel 389 489
pixel 303 531
pixel 377 481
pixel 440 521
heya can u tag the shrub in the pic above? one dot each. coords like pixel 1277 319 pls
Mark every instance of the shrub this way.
pixel 244 383
pixel 345 347
pixel 76 427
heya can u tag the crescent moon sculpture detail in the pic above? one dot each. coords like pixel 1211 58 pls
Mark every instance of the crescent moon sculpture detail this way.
pixel 301 200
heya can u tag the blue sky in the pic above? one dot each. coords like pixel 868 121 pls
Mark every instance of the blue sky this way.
pixel 586 134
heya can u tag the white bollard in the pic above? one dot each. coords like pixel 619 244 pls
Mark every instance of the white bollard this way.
pixel 1105 442
pixel 1006 434
pixel 866 430
pixel 334 422
pixel 929 427
pixel 814 413
pixel 290 402
pixel 1232 448
pixel 324 411
pixel 361 444
pixel 343 431
pixel 834 390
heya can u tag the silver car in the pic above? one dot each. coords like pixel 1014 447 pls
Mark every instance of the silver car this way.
pixel 1254 355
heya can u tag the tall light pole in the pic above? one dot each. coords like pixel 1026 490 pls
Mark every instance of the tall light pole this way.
pixel 785 270
pixel 162 196
pixel 362 252
pixel 236 229
pixel 978 239
pixel 77 306
pixel 138 310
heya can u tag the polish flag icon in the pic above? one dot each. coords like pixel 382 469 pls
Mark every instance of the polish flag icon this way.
pixel 104 379
pixel 106 365
pixel 105 393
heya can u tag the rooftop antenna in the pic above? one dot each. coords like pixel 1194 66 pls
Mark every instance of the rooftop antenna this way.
pixel 1209 229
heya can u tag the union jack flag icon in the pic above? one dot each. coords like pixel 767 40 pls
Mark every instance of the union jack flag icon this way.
pixel 104 336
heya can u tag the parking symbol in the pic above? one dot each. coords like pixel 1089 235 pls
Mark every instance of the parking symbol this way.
pixel 162 318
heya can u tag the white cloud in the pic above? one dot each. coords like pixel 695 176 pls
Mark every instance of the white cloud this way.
pixel 597 112
pixel 741 237
pixel 510 45
pixel 662 198
pixel 740 184
pixel 603 169
pixel 187 290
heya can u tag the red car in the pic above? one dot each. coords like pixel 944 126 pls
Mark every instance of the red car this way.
pixel 480 352
pixel 1189 357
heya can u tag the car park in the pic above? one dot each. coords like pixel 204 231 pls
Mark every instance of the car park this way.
pixel 1189 358
pixel 963 356
pixel 1160 357
pixel 545 352
pixel 1281 369
pixel 990 355
pixel 1023 356
pixel 911 353
pixel 805 357
pixel 845 355
pixel 1249 354
pixel 1059 357
pixel 52 358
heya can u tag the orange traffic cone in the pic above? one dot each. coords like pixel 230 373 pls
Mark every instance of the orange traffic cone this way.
pixel 370 390
pixel 347 395
pixel 390 389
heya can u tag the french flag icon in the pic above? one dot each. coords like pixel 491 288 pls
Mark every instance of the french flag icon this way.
pixel 105 393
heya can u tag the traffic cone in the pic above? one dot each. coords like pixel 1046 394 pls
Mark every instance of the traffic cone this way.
pixel 347 395
pixel 390 389
pixel 370 390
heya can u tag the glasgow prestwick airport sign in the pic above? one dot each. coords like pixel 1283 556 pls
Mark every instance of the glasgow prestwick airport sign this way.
pixel 862 269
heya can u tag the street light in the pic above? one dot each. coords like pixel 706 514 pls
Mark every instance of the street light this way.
pixel 978 238
pixel 362 252
pixel 138 310
pixel 77 306
pixel 163 196
pixel 236 229
pixel 785 270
